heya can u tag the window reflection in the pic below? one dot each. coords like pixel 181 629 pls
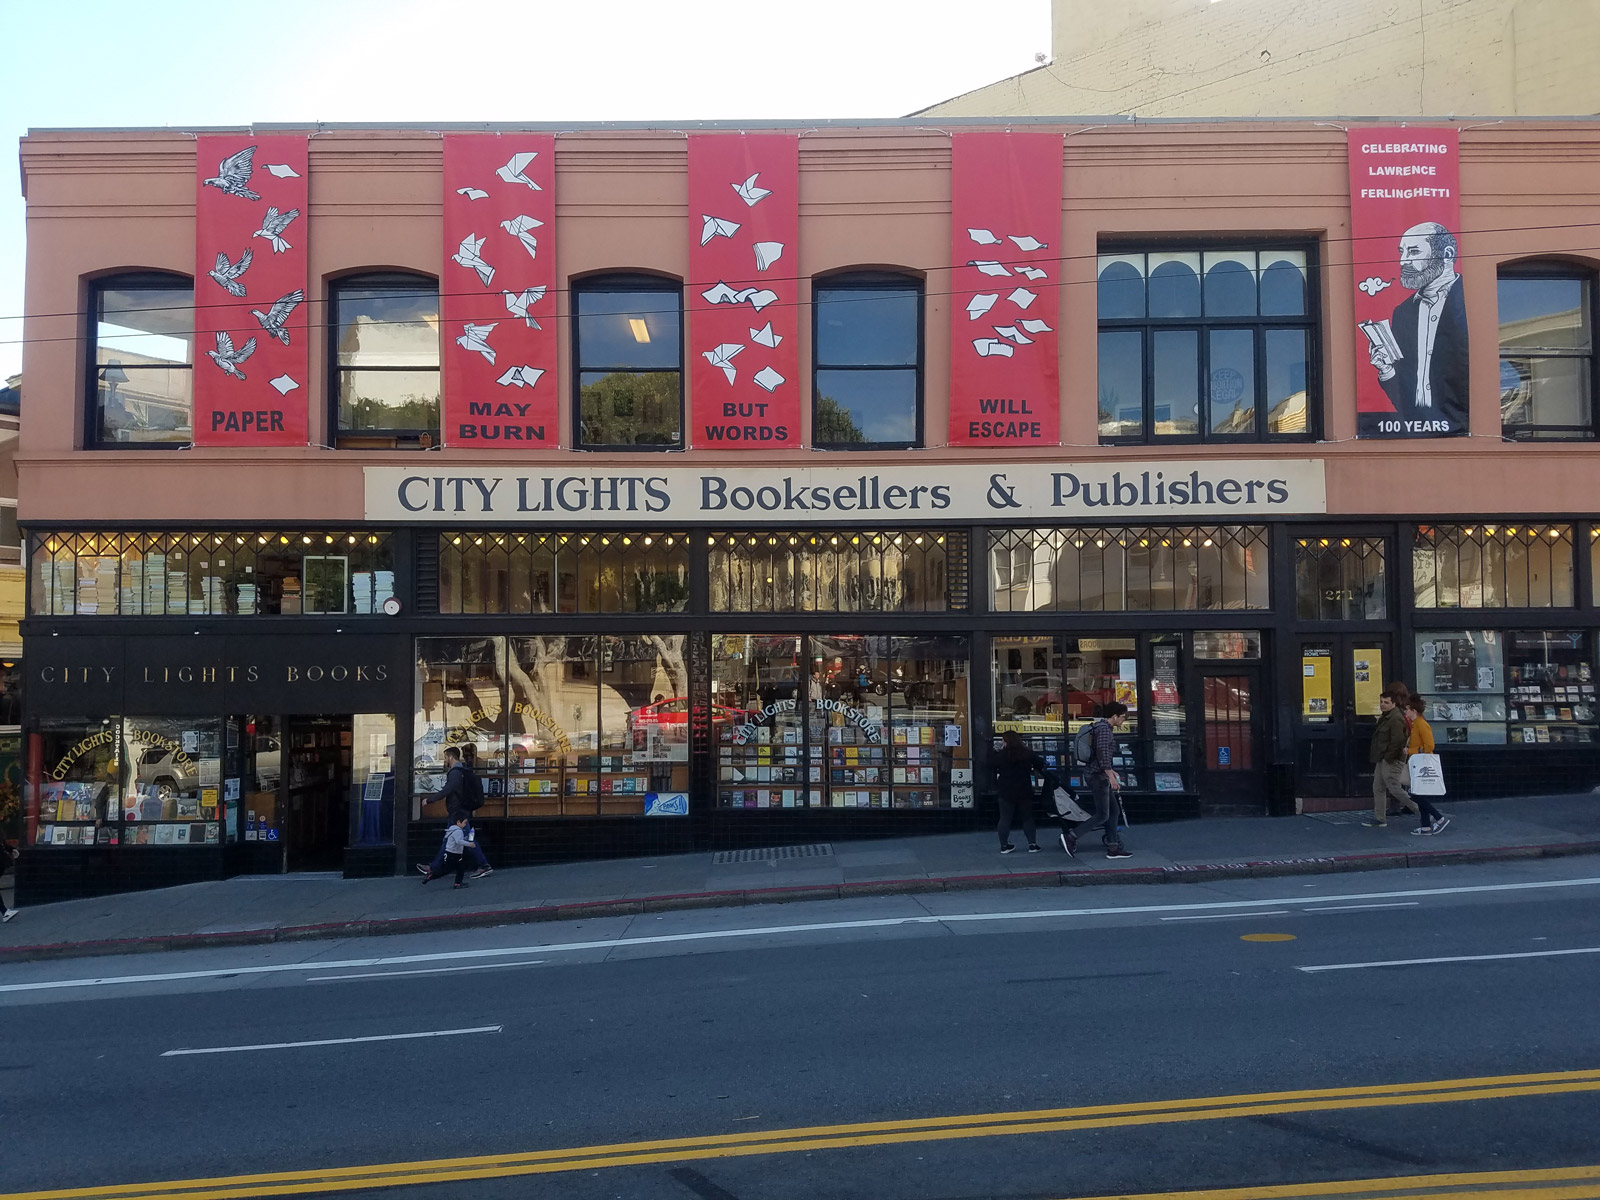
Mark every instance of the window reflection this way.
pixel 143 359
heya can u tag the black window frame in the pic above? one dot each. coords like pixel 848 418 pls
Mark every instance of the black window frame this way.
pixel 613 282
pixel 1310 322
pixel 1590 278
pixel 871 281
pixel 399 282
pixel 149 280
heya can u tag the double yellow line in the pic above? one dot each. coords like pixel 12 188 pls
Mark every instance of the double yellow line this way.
pixel 1557 1183
pixel 872 1133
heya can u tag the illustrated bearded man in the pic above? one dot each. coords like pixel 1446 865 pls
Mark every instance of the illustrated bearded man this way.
pixel 1429 381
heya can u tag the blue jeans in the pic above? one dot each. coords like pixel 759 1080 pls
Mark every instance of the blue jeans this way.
pixel 437 866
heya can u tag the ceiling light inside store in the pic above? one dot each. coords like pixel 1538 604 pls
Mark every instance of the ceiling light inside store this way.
pixel 641 332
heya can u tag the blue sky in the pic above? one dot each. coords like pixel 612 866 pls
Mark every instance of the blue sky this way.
pixel 171 62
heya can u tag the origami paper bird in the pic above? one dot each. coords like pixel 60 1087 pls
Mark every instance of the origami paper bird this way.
pixel 515 170
pixel 475 339
pixel 272 227
pixel 990 268
pixel 233 175
pixel 1033 325
pixel 749 192
pixel 472 193
pixel 715 227
pixel 1028 243
pixel 523 376
pixel 1372 285
pixel 768 379
pixel 1013 334
pixel 226 357
pixel 227 273
pixel 518 303
pixel 282 171
pixel 1031 273
pixel 722 356
pixel 467 256
pixel 767 253
pixel 765 337
pixel 518 228
pixel 1022 297
pixel 283 385
pixel 273 320
pixel 980 304
pixel 983 237
pixel 993 348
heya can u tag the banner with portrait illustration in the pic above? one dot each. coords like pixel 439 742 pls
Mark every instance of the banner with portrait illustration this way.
pixel 1412 367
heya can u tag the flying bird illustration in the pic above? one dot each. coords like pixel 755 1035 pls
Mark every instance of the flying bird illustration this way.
pixel 523 376
pixel 1372 285
pixel 233 175
pixel 467 256
pixel 515 170
pixel 282 171
pixel 517 304
pixel 476 339
pixel 715 227
pixel 226 357
pixel 472 193
pixel 272 227
pixel 227 273
pixel 749 192
pixel 273 320
pixel 722 356
pixel 518 228
pixel 1028 243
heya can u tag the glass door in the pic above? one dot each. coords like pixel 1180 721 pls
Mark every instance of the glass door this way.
pixel 1341 677
pixel 1230 770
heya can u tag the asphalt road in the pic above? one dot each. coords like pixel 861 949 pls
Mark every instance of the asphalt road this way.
pixel 732 1024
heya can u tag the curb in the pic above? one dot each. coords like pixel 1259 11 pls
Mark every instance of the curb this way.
pixel 586 910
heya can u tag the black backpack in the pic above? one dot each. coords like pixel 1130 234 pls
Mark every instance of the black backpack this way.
pixel 471 789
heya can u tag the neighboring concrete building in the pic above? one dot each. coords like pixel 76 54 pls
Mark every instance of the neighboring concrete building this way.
pixel 1305 58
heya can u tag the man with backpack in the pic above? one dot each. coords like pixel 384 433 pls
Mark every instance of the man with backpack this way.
pixel 1094 748
pixel 462 793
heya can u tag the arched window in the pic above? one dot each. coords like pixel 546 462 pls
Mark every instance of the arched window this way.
pixel 141 362
pixel 628 362
pixel 1547 358
pixel 384 364
pixel 867 361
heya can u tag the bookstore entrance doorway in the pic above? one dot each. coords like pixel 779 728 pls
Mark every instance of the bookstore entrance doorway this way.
pixel 317 779
pixel 1340 679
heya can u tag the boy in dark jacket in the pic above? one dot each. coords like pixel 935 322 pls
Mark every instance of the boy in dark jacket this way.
pixel 462 792
pixel 1388 756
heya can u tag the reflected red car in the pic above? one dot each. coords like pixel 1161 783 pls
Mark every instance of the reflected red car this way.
pixel 675 711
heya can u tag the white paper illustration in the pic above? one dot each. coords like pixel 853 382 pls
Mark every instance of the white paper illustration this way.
pixel 993 348
pixel 282 171
pixel 272 227
pixel 1022 297
pixel 768 379
pixel 233 175
pixel 990 268
pixel 765 337
pixel 983 237
pixel 283 385
pixel 523 376
pixel 476 339
pixel 767 253
pixel 756 298
pixel 1031 273
pixel 226 357
pixel 1028 243
pixel 722 357
pixel 1013 334
pixel 472 193
pixel 227 273
pixel 980 304
pixel 716 227
pixel 518 228
pixel 518 303
pixel 273 320
pixel 515 170
pixel 1033 325
pixel 467 256
pixel 749 192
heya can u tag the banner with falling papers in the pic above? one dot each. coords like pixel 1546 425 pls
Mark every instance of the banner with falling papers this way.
pixel 744 226
pixel 250 312
pixel 1005 222
pixel 497 296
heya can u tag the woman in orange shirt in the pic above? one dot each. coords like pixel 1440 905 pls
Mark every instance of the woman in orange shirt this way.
pixel 1420 741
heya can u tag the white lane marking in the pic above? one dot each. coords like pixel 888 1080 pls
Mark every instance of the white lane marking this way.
pixel 610 944
pixel 1359 907
pixel 531 962
pixel 1459 958
pixel 385 1037
pixel 1266 912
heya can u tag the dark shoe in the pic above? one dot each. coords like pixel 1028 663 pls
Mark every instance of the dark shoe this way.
pixel 482 871
pixel 1372 823
pixel 1033 847
pixel 1008 848
pixel 1423 831
pixel 462 884
pixel 1069 843
pixel 1118 851
pixel 1438 826
pixel 8 914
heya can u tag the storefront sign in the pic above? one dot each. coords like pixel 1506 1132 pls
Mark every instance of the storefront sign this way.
pixel 1005 264
pixel 497 295
pixel 744 232
pixel 1119 491
pixel 1411 317
pixel 251 315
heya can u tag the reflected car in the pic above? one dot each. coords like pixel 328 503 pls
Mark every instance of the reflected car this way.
pixel 675 711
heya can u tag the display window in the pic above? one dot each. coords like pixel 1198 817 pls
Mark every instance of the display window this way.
pixel 461 685
pixel 1461 673
pixel 173 784
pixel 75 798
pixel 258 817
pixel 1550 688
pixel 372 779
pixel 1493 566
pixel 837 571
pixel 490 572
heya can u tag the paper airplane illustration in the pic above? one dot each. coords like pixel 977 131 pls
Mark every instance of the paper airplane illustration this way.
pixel 467 256
pixel 767 253
pixel 283 384
pixel 715 227
pixel 1372 285
pixel 765 337
pixel 233 176
pixel 983 237
pixel 518 303
pixel 226 357
pixel 518 228
pixel 993 348
pixel 476 339
pixel 472 193
pixel 1035 326
pixel 1012 334
pixel 990 268
pixel 768 379
pixel 749 192
pixel 515 170
pixel 227 273
pixel 273 320
pixel 272 227
pixel 1031 273
pixel 282 171
pixel 980 304
pixel 1022 297
pixel 520 377
pixel 722 357
pixel 1028 243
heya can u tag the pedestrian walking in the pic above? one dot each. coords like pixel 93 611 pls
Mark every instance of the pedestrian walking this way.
pixel 1387 754
pixel 7 857
pixel 462 792
pixel 456 840
pixel 1104 783
pixel 1420 741
pixel 1014 768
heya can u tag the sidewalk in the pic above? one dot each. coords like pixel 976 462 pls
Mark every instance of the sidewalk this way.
pixel 257 909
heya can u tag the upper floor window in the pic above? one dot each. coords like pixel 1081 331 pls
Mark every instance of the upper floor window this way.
pixel 141 360
pixel 1493 566
pixel 1207 345
pixel 868 362
pixel 385 365
pixel 1547 359
pixel 628 343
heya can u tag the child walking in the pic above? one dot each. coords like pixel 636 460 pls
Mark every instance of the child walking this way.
pixel 456 842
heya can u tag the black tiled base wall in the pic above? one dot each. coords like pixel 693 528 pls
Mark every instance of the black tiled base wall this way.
pixel 45 876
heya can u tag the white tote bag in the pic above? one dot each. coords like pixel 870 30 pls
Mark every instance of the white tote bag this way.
pixel 1427 776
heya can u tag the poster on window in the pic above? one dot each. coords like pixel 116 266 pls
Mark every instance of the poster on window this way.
pixel 497 293
pixel 744 228
pixel 1411 314
pixel 251 317
pixel 1005 202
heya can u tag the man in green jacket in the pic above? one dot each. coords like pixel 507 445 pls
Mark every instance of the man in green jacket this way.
pixel 1388 756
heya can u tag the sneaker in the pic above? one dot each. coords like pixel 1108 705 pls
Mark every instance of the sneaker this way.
pixel 1118 851
pixel 422 868
pixel 482 871
pixel 1069 843
pixel 8 914
pixel 1438 826
pixel 1008 848
pixel 1033 847
pixel 427 878
pixel 462 884
pixel 1372 823
pixel 1423 831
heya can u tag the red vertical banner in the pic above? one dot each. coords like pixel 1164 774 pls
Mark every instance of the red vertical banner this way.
pixel 497 292
pixel 1411 317
pixel 1005 220
pixel 251 316
pixel 744 230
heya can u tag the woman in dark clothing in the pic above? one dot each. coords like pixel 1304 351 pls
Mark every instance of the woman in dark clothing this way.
pixel 1014 766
